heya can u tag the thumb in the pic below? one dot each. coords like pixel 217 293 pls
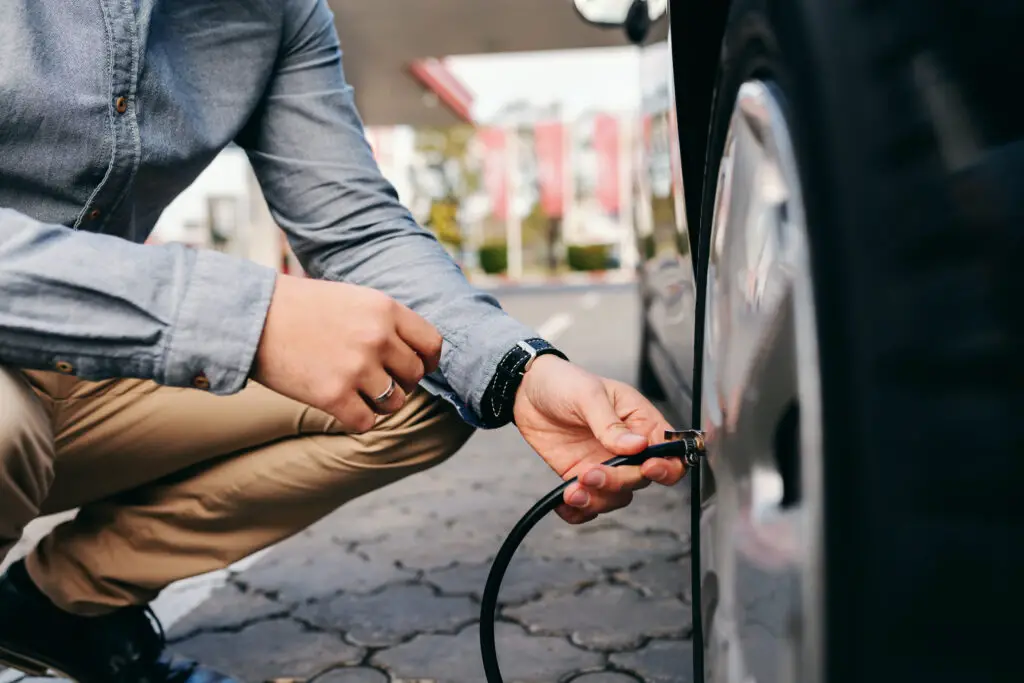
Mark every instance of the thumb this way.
pixel 599 414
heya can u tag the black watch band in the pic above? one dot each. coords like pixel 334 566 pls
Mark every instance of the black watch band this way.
pixel 500 395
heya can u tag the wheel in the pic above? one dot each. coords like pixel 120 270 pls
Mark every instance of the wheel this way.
pixel 859 371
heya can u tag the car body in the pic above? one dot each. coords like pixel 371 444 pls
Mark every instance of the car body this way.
pixel 745 639
pixel 668 186
pixel 827 234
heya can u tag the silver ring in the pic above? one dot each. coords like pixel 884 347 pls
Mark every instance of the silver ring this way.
pixel 388 393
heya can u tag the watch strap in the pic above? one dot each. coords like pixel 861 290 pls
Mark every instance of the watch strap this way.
pixel 499 398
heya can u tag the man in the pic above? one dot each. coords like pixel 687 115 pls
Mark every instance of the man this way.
pixel 124 368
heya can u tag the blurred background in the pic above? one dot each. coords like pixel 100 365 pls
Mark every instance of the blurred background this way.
pixel 526 140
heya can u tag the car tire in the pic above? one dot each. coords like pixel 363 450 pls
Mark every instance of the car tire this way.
pixel 916 243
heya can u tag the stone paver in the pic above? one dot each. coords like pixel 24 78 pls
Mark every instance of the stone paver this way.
pixel 391 616
pixel 294 576
pixel 456 659
pixel 605 677
pixel 499 503
pixel 278 648
pixel 660 578
pixel 660 661
pixel 527 578
pixel 605 617
pixel 361 674
pixel 433 547
pixel 227 607
pixel 669 512
pixel 608 547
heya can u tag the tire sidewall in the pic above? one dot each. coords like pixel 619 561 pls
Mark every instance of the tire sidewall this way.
pixel 752 51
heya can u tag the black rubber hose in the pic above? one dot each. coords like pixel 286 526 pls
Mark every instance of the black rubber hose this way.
pixel 489 601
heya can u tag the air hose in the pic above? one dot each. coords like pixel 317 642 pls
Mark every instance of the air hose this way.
pixel 687 445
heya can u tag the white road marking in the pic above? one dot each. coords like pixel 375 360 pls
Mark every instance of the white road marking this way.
pixel 552 328
pixel 590 300
pixel 181 598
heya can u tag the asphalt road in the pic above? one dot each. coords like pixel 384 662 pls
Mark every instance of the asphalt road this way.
pixel 387 588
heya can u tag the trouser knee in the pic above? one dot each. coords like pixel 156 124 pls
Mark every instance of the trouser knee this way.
pixel 26 457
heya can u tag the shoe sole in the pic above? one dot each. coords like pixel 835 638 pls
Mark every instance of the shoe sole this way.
pixel 29 665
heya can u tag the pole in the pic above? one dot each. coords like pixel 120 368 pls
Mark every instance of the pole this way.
pixel 514 225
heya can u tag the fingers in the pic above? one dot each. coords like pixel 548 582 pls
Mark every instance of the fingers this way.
pixel 421 337
pixel 581 504
pixel 642 416
pixel 401 363
pixel 574 516
pixel 610 430
pixel 404 364
pixel 612 479
pixel 666 471
pixel 354 414
pixel 375 386
pixel 604 489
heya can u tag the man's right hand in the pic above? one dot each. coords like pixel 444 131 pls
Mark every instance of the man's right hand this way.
pixel 336 346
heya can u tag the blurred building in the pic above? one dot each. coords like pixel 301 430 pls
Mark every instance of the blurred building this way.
pixel 526 168
pixel 383 39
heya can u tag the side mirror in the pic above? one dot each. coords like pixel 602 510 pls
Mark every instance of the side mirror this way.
pixel 635 16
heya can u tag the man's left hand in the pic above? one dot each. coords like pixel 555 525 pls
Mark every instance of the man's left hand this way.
pixel 576 420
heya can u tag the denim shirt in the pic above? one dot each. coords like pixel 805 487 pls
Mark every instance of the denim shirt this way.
pixel 110 108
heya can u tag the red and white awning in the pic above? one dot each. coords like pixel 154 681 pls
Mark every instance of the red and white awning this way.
pixel 437 78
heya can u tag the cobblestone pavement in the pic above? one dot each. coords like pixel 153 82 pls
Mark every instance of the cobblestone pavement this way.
pixel 387 589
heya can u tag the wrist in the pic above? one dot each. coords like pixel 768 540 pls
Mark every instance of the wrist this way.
pixel 541 366
pixel 498 404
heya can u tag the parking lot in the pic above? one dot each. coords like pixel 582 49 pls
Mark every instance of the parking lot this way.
pixel 387 588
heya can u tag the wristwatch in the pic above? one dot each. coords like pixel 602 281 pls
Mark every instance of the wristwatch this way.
pixel 500 395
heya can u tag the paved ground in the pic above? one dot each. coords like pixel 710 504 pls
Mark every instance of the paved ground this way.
pixel 387 588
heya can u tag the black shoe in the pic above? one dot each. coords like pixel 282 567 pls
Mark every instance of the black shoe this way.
pixel 126 646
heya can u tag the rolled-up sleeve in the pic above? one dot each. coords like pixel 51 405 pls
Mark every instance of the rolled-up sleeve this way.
pixel 99 306
pixel 344 220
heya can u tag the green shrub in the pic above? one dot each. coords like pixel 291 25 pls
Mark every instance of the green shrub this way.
pixel 648 246
pixel 494 258
pixel 589 257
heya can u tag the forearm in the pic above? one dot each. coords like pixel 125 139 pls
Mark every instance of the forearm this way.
pixel 345 220
pixel 111 308
pixel 403 260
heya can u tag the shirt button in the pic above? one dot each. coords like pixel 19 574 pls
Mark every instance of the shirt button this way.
pixel 94 214
pixel 121 104
pixel 200 381
pixel 64 367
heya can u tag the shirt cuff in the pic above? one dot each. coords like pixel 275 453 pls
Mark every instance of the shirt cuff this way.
pixel 219 324
pixel 469 362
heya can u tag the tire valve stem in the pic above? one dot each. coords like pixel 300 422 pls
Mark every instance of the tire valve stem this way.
pixel 691 442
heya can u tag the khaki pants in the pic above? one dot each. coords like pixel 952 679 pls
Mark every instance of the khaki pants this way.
pixel 172 483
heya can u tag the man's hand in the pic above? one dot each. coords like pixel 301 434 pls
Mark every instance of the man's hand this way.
pixel 336 346
pixel 576 421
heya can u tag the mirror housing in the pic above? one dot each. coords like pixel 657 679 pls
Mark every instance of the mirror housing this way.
pixel 634 16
